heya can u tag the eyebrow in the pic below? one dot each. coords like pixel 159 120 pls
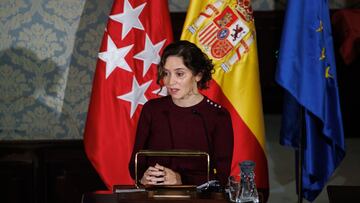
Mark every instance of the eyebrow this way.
pixel 175 69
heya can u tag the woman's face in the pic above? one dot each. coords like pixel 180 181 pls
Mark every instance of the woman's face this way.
pixel 179 80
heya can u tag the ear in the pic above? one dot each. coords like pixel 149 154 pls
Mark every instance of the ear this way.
pixel 198 77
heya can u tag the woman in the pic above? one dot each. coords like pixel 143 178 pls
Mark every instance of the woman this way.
pixel 185 119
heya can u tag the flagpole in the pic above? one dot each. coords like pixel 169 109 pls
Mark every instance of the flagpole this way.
pixel 300 154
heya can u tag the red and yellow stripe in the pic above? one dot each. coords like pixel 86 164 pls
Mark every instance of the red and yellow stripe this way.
pixel 238 89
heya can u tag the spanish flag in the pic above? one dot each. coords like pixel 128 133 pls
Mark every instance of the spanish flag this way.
pixel 225 31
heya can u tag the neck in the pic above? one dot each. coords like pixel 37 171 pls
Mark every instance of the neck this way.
pixel 189 100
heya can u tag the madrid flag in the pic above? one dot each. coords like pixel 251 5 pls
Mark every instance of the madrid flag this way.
pixel 224 29
pixel 125 78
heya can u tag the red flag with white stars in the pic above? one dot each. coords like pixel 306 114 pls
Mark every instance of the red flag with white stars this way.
pixel 125 78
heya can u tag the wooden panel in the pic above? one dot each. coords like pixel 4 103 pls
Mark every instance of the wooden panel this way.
pixel 16 182
pixel 45 171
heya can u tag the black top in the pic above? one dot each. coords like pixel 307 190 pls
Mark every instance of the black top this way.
pixel 205 126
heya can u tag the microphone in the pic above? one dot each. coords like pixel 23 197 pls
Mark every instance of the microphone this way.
pixel 208 140
pixel 194 111
pixel 166 112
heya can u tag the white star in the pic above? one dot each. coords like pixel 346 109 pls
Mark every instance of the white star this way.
pixel 129 18
pixel 136 96
pixel 150 54
pixel 115 57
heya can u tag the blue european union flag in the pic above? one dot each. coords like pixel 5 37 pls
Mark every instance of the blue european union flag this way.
pixel 306 70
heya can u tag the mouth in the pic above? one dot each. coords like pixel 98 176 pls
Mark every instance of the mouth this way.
pixel 173 90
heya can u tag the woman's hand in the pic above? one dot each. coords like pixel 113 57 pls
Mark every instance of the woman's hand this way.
pixel 160 175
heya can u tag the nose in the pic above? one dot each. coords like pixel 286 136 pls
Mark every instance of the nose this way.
pixel 170 80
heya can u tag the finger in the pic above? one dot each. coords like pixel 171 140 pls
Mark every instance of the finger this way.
pixel 148 178
pixel 152 168
pixel 156 173
pixel 159 167
pixel 151 183
pixel 161 183
pixel 152 172
pixel 151 180
pixel 156 181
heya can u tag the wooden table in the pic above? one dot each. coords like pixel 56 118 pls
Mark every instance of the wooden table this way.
pixel 142 197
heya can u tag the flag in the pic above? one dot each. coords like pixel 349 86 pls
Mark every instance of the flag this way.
pixel 125 78
pixel 225 31
pixel 306 70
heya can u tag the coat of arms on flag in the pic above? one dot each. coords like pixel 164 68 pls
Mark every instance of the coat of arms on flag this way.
pixel 222 31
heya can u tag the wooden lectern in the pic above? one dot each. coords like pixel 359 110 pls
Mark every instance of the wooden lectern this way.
pixel 167 193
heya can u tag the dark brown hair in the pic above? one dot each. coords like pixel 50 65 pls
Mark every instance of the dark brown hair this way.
pixel 194 59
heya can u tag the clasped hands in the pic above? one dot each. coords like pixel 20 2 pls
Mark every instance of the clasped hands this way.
pixel 160 175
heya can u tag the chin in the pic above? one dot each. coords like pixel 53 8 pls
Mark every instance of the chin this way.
pixel 177 97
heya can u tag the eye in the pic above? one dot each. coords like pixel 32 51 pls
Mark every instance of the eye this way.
pixel 180 74
pixel 165 73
